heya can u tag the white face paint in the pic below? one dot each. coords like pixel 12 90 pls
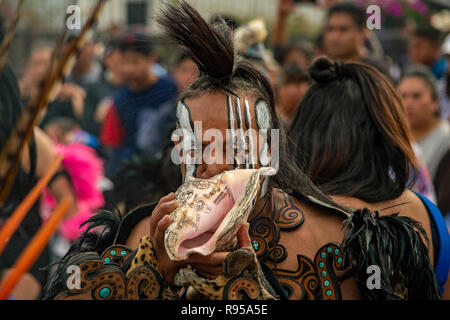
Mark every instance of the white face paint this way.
pixel 264 122
pixel 240 131
pixel 184 123
pixel 239 127
pixel 263 117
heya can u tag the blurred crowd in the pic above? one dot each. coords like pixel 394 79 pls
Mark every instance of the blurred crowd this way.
pixel 114 114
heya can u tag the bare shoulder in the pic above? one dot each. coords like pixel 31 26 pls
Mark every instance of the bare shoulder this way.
pixel 408 203
pixel 45 151
pixel 140 230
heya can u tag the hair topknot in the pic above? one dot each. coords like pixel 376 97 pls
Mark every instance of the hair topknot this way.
pixel 211 47
pixel 325 70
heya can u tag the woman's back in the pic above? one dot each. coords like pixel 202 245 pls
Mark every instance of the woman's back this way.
pixel 318 229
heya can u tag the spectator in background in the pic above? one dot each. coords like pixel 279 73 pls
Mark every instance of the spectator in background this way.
pixel 425 48
pixel 343 39
pixel 420 98
pixel 87 70
pixel 81 88
pixel 300 54
pixel 285 52
pixel 184 72
pixel 69 101
pixel 84 169
pixel 249 42
pixel 35 71
pixel 65 131
pixel 345 34
pixel 292 85
pixel 142 108
pixel 99 98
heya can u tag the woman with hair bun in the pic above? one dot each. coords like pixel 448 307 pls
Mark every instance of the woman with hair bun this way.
pixel 294 234
pixel 351 138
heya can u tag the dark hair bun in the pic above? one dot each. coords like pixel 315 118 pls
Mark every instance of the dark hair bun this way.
pixel 324 69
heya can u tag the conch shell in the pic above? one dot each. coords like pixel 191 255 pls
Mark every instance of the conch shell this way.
pixel 210 212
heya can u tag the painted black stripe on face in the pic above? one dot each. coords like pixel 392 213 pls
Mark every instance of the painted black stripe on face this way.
pixel 247 115
pixel 240 132
pixel 248 123
pixel 230 113
pixel 238 113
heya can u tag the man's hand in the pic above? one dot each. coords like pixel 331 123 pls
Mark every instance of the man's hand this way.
pixel 211 266
pixel 159 221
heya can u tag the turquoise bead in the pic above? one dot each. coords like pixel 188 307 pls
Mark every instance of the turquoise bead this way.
pixel 323 255
pixel 113 252
pixel 326 283
pixel 339 260
pixel 336 251
pixel 123 253
pixel 321 265
pixel 329 249
pixel 323 273
pixel 328 293
pixel 105 292
pixel 255 245
pixel 107 260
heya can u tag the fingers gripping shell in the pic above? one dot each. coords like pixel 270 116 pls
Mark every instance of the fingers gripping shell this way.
pixel 211 211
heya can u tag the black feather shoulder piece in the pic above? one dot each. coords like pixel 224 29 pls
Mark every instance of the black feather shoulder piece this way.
pixel 393 243
pixel 111 228
pixel 90 241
